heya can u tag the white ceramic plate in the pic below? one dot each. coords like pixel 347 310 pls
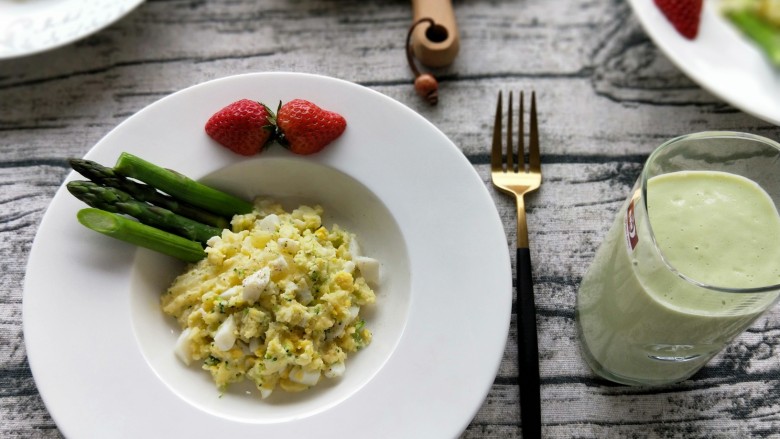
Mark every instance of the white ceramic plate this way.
pixel 32 26
pixel 720 60
pixel 101 350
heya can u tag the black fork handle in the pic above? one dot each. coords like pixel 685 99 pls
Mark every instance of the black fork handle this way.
pixel 527 349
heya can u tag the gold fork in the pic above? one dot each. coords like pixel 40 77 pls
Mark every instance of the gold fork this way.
pixel 511 175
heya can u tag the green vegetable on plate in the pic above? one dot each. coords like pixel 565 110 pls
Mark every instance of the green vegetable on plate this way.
pixel 114 200
pixel 181 187
pixel 131 231
pixel 106 176
pixel 766 36
pixel 757 21
pixel 174 214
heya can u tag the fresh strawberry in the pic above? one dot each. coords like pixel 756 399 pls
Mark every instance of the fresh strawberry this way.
pixel 306 128
pixel 684 15
pixel 243 127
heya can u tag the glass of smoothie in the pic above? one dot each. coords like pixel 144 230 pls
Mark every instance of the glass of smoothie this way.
pixel 692 259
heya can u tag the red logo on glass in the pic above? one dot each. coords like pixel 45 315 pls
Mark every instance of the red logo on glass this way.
pixel 632 238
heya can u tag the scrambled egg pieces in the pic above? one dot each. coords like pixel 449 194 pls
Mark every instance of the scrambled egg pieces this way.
pixel 276 300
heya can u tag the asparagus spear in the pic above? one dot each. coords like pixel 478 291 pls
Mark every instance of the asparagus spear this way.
pixel 108 177
pixel 116 201
pixel 127 230
pixel 180 186
pixel 761 32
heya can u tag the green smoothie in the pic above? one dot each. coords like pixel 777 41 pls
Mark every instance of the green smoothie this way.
pixel 642 322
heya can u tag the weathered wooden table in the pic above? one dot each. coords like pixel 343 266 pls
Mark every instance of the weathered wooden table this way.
pixel 607 97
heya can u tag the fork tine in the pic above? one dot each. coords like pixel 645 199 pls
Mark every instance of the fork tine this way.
pixel 535 163
pixel 495 154
pixel 510 149
pixel 521 135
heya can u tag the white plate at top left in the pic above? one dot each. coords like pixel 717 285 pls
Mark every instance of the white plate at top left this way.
pixel 32 26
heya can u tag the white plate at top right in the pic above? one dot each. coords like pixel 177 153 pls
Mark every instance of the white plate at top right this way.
pixel 719 59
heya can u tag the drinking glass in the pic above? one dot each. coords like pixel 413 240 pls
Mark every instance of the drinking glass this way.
pixel 644 319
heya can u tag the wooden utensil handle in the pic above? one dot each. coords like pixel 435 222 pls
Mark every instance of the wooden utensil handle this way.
pixel 435 46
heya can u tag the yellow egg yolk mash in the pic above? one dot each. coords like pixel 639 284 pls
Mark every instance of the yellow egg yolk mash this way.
pixel 276 301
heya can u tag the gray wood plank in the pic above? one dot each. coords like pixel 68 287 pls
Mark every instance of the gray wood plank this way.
pixel 607 97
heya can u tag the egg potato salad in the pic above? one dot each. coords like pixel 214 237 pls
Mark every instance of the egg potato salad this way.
pixel 277 300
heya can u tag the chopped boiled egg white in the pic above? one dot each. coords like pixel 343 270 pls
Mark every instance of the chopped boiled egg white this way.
pixel 183 349
pixel 305 377
pixel 369 268
pixel 255 284
pixel 335 370
pixel 225 336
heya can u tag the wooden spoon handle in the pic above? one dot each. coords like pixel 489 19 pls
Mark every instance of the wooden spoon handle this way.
pixel 435 46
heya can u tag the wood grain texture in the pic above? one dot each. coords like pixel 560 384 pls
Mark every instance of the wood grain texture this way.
pixel 607 97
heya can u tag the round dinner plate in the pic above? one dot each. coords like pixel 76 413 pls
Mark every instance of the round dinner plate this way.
pixel 101 350
pixel 32 26
pixel 720 59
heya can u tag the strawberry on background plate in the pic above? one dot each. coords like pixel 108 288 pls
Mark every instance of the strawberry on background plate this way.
pixel 684 15
pixel 244 126
pixel 306 128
